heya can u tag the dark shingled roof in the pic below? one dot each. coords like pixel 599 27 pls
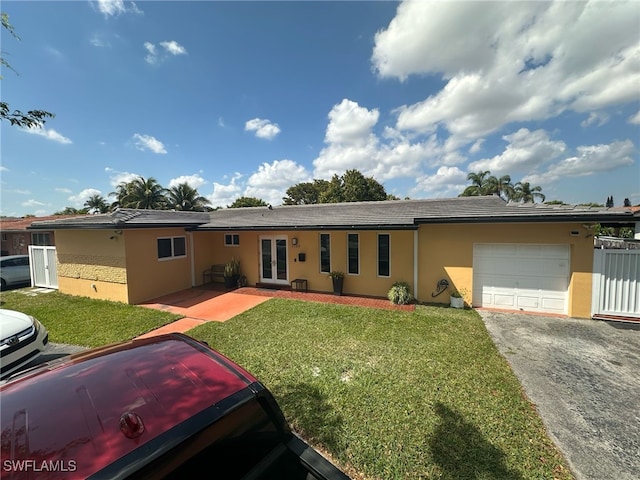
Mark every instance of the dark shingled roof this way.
pixel 127 218
pixel 393 214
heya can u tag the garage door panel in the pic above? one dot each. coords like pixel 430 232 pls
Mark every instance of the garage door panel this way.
pixel 520 276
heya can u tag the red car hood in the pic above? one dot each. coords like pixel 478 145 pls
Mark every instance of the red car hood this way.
pixel 80 413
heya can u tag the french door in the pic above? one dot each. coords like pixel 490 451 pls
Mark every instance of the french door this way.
pixel 273 259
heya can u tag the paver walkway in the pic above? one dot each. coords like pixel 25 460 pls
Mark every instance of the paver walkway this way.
pixel 207 304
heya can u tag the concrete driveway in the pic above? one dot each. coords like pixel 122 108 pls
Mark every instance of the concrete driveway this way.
pixel 584 377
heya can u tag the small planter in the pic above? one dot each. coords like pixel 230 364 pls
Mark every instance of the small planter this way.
pixel 337 285
pixel 338 281
pixel 229 282
pixel 457 302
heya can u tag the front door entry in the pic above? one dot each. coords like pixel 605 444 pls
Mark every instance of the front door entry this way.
pixel 273 259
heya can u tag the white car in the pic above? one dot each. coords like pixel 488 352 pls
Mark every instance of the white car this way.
pixel 22 338
pixel 14 270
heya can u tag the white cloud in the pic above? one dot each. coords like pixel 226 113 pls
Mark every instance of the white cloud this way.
pixel 507 62
pixel 525 151
pixel 113 8
pixel 116 178
pixel 32 203
pixel 351 124
pixel 78 200
pixel 263 128
pixel 194 181
pixel 271 181
pixel 147 142
pixel 351 144
pixel 446 182
pixel 98 40
pixel 224 195
pixel 596 118
pixel 173 47
pixel 62 190
pixel 590 159
pixel 221 122
pixel 3 168
pixel 635 119
pixel 49 134
pixel 170 48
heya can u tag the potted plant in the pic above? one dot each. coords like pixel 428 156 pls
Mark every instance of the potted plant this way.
pixel 235 271
pixel 338 281
pixel 456 298
pixel 228 275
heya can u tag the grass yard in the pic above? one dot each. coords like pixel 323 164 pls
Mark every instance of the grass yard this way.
pixel 84 321
pixel 386 394
pixel 393 395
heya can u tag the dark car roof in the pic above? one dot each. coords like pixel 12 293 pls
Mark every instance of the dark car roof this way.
pixel 72 409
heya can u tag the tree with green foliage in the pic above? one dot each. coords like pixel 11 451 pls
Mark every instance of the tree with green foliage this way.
pixel 478 185
pixel 146 194
pixel 500 186
pixel 525 193
pixel 97 204
pixel 71 211
pixel 305 193
pixel 248 202
pixel 31 119
pixel 483 183
pixel 186 198
pixel 352 186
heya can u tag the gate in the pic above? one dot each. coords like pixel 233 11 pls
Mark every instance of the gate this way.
pixel 44 269
pixel 616 283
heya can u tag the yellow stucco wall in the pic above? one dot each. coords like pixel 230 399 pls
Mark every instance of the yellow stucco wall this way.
pixel 149 277
pixel 446 251
pixel 210 250
pixel 91 264
pixel 122 267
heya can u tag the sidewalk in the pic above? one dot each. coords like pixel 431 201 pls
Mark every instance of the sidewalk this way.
pixel 215 304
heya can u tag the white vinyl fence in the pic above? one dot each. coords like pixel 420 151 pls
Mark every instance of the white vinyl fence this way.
pixel 44 270
pixel 616 283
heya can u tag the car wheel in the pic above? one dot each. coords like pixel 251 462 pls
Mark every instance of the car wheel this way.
pixel 3 284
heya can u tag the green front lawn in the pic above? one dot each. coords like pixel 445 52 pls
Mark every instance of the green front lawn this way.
pixel 386 394
pixel 393 395
pixel 84 321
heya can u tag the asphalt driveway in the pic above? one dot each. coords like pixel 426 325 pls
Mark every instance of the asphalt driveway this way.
pixel 584 377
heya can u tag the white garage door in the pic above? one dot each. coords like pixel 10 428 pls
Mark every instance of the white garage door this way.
pixel 521 277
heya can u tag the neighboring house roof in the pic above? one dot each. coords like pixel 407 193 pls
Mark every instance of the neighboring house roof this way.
pixel 393 214
pixel 127 218
pixel 23 223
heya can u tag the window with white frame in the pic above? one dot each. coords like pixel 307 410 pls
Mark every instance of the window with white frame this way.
pixel 384 259
pixel 353 253
pixel 172 247
pixel 231 239
pixel 325 253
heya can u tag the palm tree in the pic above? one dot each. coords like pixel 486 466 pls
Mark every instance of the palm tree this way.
pixel 501 186
pixel 186 198
pixel 140 193
pixel 96 204
pixel 478 184
pixel 523 192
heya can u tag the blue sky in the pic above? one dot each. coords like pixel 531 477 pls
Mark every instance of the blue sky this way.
pixel 244 98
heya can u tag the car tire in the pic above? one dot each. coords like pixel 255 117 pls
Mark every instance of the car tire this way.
pixel 3 284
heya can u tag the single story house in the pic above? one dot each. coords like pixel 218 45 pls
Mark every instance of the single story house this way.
pixel 527 257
